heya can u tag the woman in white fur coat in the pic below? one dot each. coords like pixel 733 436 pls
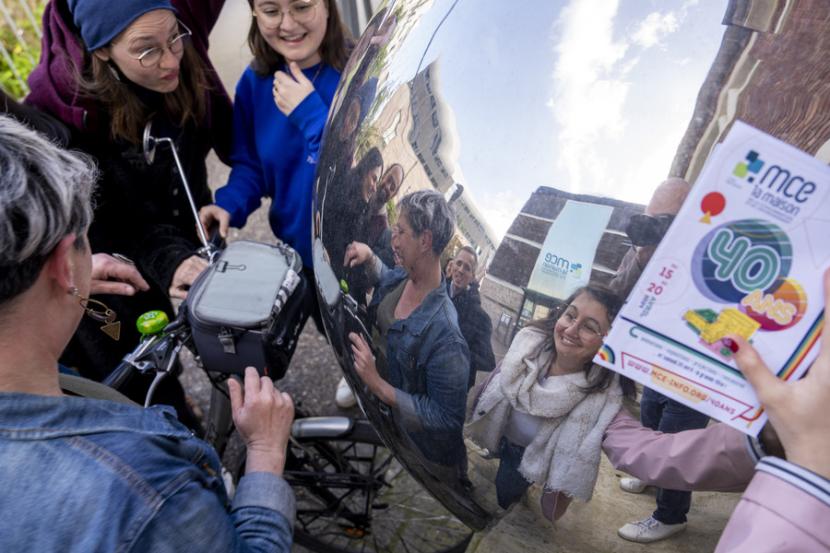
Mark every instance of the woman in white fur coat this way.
pixel 545 411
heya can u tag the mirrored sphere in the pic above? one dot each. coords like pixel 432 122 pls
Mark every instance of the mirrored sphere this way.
pixel 561 136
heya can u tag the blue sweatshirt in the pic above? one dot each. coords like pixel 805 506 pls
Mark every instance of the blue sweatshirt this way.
pixel 275 156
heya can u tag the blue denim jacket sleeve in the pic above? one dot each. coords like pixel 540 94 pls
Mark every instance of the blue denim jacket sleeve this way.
pixel 194 519
pixel 441 407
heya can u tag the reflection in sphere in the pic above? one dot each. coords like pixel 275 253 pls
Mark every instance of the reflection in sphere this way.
pixel 545 140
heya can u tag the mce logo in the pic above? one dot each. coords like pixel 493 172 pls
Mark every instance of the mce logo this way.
pixel 750 167
pixel 775 179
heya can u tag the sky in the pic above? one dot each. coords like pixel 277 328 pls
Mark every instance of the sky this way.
pixel 589 96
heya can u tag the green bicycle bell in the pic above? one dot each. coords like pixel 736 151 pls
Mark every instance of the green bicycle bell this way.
pixel 152 322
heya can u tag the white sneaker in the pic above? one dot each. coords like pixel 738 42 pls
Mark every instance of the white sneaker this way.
pixel 344 397
pixel 632 485
pixel 649 530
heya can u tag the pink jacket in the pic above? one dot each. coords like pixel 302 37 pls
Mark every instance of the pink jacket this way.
pixel 785 508
pixel 717 458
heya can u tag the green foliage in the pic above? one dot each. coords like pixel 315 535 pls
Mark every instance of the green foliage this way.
pixel 24 51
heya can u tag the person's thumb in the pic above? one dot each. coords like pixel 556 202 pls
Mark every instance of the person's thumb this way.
pixel 297 73
pixel 224 223
pixel 205 217
pixel 753 367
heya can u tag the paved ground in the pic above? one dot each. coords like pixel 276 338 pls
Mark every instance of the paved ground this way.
pixel 314 373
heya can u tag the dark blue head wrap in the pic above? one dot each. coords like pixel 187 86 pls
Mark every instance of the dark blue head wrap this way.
pixel 100 21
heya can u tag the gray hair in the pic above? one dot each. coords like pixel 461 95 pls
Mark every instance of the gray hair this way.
pixel 428 210
pixel 471 251
pixel 44 196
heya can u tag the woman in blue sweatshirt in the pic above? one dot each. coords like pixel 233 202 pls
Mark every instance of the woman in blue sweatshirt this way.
pixel 280 109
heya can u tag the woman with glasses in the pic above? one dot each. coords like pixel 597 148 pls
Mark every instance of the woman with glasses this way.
pixel 280 109
pixel 546 409
pixel 106 70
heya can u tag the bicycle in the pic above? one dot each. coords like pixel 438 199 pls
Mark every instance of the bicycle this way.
pixel 341 471
pixel 352 494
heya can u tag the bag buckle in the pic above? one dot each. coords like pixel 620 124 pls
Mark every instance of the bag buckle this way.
pixel 228 340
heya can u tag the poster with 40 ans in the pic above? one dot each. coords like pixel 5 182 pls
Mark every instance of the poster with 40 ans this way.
pixel 744 256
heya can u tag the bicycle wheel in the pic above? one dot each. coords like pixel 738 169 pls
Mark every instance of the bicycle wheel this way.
pixel 353 496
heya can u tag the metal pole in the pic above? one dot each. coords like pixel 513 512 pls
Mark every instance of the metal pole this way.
pixel 18 34
pixel 8 59
pixel 31 16
pixel 202 236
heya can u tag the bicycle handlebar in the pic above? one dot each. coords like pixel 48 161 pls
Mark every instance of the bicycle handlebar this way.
pixel 154 351
pixel 120 375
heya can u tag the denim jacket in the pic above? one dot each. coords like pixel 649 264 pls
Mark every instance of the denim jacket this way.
pixel 428 363
pixel 84 475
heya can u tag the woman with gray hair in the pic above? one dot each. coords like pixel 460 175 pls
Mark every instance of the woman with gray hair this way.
pixel 96 475
pixel 420 351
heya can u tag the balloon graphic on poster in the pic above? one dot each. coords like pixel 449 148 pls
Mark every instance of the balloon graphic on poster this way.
pixel 711 205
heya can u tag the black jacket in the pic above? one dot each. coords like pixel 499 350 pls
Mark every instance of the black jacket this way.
pixel 476 327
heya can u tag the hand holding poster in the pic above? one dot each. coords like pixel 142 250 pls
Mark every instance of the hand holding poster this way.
pixel 744 256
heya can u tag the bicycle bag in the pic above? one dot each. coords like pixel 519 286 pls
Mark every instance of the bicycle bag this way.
pixel 247 309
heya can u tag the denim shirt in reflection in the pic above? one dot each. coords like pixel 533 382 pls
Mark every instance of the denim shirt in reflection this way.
pixel 428 363
pixel 82 475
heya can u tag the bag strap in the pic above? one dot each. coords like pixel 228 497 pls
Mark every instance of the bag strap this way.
pixel 480 391
pixel 83 387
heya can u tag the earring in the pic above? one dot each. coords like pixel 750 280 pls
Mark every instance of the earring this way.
pixel 113 71
pixel 103 314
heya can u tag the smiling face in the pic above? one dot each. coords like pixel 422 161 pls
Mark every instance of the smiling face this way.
pixel 155 29
pixel 294 29
pixel 463 269
pixel 390 183
pixel 579 332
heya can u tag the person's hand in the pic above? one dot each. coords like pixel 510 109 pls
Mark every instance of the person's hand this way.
pixel 357 253
pixel 291 90
pixel 185 274
pixel 364 365
pixel 113 276
pixel 213 214
pixel 262 415
pixel 798 410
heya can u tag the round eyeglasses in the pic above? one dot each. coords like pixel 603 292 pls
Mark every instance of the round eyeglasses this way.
pixel 301 12
pixel 588 330
pixel 151 57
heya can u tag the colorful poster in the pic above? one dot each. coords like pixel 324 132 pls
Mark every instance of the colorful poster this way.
pixel 745 255
pixel 567 257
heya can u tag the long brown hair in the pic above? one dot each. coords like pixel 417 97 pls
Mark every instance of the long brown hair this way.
pixel 599 378
pixel 128 114
pixel 333 50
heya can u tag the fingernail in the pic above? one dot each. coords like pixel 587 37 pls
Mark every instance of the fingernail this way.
pixel 731 344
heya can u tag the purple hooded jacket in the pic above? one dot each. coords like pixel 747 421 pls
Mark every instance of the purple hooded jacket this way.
pixel 54 89
pixel 139 210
